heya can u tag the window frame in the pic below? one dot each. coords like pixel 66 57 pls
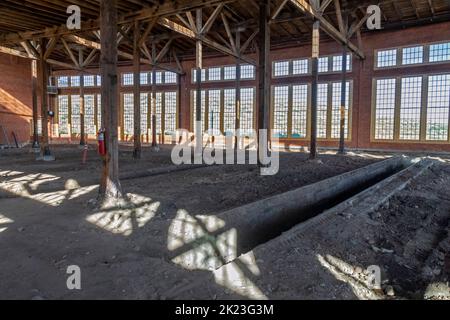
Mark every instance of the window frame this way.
pixel 424 109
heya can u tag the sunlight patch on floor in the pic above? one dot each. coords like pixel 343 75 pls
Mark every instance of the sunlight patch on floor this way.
pixel 201 249
pixel 123 220
pixel 4 220
pixel 357 278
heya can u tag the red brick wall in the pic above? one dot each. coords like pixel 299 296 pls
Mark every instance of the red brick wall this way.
pixel 362 75
pixel 15 97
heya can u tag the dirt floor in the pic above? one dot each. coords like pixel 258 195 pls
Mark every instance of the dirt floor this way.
pixel 49 220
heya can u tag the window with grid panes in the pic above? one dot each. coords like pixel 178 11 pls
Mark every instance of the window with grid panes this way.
pixel 89 81
pixel 387 58
pixel 159 77
pixel 440 52
pixel 410 108
pixel 75 81
pixel 214 74
pixel 194 107
pixel 194 75
pixel 323 64
pixel 214 98
pixel 247 111
pixel 385 97
pixel 128 113
pixel 99 111
pixel 170 112
pixel 170 77
pixel 299 111
pixel 247 71
pixel 127 79
pixel 229 111
pixel 143 78
pixel 63 114
pixel 144 112
pixel 99 80
pixel 75 110
pixel 280 111
pixel 300 66
pixel 63 82
pixel 438 108
pixel 281 68
pixel 337 63
pixel 412 55
pixel 336 110
pixel 89 114
pixel 322 110
pixel 159 106
pixel 229 73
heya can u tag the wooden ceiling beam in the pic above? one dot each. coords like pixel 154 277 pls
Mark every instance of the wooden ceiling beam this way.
pixel 305 7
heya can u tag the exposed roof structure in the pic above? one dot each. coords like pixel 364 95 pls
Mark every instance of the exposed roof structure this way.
pixel 169 28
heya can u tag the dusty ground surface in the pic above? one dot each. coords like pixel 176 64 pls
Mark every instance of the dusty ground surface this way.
pixel 126 252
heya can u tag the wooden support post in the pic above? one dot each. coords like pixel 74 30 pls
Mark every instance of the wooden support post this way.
pixel 137 92
pixel 264 76
pixel 198 107
pixel 82 112
pixel 314 88
pixel 34 93
pixel 343 100
pixel 110 188
pixel 43 77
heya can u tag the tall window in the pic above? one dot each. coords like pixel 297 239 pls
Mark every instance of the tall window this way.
pixel 229 111
pixel 440 52
pixel 247 110
pixel 170 112
pixel 385 109
pixel 89 114
pixel 75 108
pixel 438 107
pixel 214 101
pixel 299 111
pixel 63 114
pixel 322 110
pixel 280 111
pixel 144 112
pixel 410 108
pixel 203 107
pixel 159 111
pixel 128 112
pixel 387 58
pixel 99 111
pixel 336 110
